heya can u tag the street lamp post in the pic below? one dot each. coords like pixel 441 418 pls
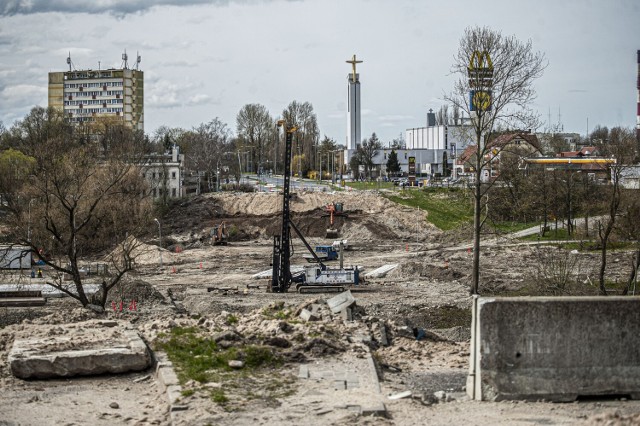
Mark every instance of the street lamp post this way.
pixel 29 221
pixel 160 234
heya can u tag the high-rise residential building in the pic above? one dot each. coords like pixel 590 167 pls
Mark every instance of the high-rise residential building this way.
pixel 85 96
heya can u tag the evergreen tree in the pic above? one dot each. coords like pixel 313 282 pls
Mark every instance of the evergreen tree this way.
pixel 393 165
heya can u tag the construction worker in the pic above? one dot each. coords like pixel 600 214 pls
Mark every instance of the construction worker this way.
pixel 39 273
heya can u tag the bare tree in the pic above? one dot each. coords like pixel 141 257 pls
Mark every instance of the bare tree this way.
pixel 255 128
pixel 498 73
pixel 620 144
pixel 81 201
pixel 307 137
pixel 629 228
pixel 366 151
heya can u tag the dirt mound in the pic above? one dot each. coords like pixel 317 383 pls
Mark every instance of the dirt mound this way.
pixel 369 216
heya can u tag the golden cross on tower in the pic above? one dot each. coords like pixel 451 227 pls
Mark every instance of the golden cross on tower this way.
pixel 353 62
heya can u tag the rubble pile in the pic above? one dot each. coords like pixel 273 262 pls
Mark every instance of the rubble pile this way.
pixel 309 330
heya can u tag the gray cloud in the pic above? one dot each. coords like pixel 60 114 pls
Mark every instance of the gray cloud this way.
pixel 115 7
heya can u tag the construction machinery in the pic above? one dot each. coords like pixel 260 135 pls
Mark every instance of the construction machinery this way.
pixel 219 235
pixel 324 253
pixel 333 209
pixel 313 278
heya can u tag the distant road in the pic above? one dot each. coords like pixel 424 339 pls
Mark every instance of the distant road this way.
pixel 296 184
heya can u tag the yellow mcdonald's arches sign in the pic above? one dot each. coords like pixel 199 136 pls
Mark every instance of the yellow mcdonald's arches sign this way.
pixel 480 61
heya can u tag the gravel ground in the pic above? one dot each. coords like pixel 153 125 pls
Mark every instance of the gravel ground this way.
pixel 429 290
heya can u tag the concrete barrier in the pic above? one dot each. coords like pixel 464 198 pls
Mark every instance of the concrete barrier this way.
pixel 554 348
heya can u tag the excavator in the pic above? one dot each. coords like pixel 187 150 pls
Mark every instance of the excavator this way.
pixel 219 235
pixel 313 278
pixel 333 209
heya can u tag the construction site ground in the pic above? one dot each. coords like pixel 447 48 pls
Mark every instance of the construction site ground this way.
pixel 327 376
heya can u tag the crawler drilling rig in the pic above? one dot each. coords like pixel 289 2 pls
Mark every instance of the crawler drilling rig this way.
pixel 314 278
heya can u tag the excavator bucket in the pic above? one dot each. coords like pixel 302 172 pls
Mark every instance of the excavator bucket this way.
pixel 332 233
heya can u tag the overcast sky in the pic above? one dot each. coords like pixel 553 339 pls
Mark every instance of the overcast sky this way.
pixel 207 58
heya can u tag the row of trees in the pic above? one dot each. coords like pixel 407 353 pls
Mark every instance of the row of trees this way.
pixel 256 146
pixel 559 196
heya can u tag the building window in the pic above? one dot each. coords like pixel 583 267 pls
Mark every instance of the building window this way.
pixel 173 175
pixel 173 192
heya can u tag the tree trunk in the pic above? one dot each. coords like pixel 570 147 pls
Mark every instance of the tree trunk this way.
pixel 635 264
pixel 604 239
pixel 476 227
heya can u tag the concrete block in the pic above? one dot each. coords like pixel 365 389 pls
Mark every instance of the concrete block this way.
pixel 384 339
pixel 307 315
pixel 343 300
pixel 376 409
pixel 346 314
pixel 401 395
pixel 374 373
pixel 303 372
pixel 339 385
pixel 174 393
pixel 554 348
pixel 79 351
pixel 178 407
pixel 167 377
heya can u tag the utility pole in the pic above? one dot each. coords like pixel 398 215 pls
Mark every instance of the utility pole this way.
pixel 160 234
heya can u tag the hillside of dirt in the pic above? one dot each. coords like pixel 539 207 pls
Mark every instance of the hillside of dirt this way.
pixel 368 216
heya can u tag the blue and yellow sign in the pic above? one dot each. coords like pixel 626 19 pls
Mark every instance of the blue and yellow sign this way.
pixel 480 72
pixel 480 100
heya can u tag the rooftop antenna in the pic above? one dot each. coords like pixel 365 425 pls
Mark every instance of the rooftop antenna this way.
pixel 125 64
pixel 560 126
pixel 138 60
pixel 69 61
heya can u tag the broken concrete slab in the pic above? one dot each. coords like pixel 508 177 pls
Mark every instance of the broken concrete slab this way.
pixel 307 315
pixel 85 348
pixel 167 376
pixel 174 392
pixel 341 301
pixel 401 395
pixel 381 271
pixel 384 339
pixel 303 372
pixel 377 409
pixel 346 314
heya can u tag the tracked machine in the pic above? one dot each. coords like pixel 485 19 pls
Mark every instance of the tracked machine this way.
pixel 313 278
pixel 219 235
pixel 332 210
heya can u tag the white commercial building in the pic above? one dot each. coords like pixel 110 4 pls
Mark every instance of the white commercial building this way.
pixel 164 173
pixel 436 145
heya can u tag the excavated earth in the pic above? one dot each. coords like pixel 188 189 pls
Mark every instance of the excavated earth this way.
pixel 212 291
